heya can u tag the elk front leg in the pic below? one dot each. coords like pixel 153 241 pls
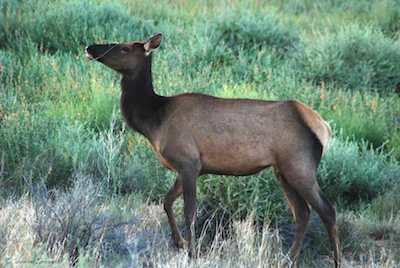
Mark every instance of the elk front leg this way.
pixel 172 195
pixel 189 176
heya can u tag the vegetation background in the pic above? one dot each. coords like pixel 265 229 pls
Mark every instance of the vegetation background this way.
pixel 76 184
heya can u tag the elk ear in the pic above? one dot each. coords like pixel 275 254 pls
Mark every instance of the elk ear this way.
pixel 152 43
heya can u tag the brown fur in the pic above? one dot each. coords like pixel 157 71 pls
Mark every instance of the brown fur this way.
pixel 195 134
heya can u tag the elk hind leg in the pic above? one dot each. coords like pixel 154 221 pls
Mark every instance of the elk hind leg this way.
pixel 306 185
pixel 301 214
pixel 327 213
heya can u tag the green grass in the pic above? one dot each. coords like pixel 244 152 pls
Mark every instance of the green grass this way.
pixel 68 26
pixel 60 120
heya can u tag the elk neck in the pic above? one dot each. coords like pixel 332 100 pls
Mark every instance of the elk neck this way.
pixel 141 107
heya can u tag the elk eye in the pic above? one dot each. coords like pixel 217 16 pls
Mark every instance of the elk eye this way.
pixel 124 50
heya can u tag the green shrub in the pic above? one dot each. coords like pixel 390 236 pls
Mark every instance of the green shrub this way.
pixel 145 174
pixel 54 83
pixel 241 196
pixel 245 31
pixel 33 145
pixel 351 173
pixel 386 205
pixel 6 60
pixel 236 33
pixel 10 21
pixel 70 27
pixel 355 57
pixel 353 113
pixel 387 16
pixel 28 151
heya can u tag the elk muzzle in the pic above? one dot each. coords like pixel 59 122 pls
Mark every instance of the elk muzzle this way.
pixel 97 52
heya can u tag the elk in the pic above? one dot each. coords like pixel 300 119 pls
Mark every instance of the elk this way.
pixel 194 134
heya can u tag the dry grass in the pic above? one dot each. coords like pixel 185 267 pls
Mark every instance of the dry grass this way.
pixel 137 235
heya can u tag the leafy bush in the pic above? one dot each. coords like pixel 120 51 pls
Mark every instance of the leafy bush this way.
pixel 355 57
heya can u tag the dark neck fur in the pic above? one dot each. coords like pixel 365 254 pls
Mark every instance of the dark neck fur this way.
pixel 141 107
